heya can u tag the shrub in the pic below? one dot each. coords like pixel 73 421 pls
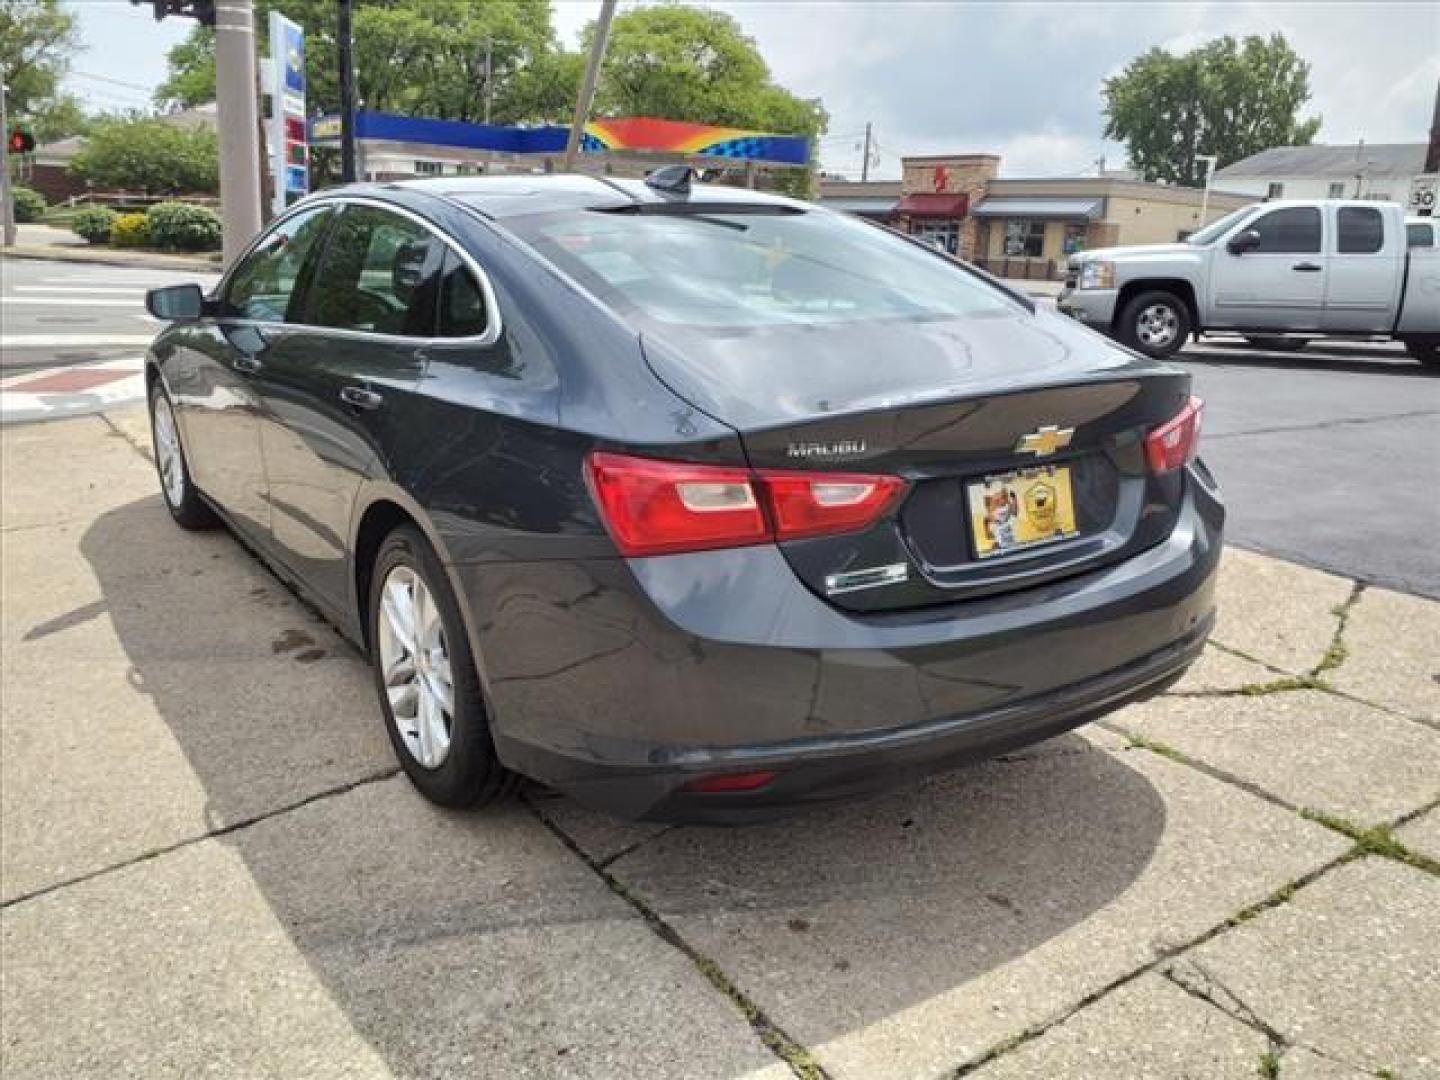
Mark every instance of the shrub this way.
pixel 130 230
pixel 149 155
pixel 180 225
pixel 29 204
pixel 94 224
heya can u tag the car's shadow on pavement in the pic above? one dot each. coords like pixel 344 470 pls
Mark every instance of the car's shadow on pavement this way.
pixel 441 934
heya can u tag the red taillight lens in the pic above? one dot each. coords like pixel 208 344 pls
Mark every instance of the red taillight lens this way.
pixel 819 504
pixel 747 781
pixel 1175 442
pixel 663 507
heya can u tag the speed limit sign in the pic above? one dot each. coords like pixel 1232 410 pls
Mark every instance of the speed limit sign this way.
pixel 1423 196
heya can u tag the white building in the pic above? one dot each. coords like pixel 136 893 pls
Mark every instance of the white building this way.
pixel 1380 171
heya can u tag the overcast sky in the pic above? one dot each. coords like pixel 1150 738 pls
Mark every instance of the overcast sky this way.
pixel 1021 80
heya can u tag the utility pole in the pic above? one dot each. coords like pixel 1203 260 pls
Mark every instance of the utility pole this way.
pixel 239 124
pixel 7 204
pixel 1432 152
pixel 865 163
pixel 592 76
pixel 345 54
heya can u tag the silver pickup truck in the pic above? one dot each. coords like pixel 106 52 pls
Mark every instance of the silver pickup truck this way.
pixel 1275 272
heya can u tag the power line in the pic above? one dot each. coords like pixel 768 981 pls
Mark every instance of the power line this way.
pixel 114 82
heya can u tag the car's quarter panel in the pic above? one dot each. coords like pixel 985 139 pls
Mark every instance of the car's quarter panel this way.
pixel 1420 307
pixel 203 365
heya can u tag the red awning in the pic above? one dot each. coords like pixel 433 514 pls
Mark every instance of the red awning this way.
pixel 941 206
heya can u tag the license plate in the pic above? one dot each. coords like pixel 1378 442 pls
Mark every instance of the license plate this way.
pixel 1014 511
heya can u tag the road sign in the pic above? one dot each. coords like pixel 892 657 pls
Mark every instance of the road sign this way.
pixel 1424 196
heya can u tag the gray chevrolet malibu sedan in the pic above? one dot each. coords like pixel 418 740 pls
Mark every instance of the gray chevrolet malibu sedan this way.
pixel 695 503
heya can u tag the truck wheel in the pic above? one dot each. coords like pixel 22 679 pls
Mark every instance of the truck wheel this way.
pixel 1155 323
pixel 1424 349
pixel 1276 342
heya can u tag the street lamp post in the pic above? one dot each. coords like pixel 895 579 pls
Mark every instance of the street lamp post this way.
pixel 7 203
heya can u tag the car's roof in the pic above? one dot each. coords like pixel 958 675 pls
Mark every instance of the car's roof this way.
pixel 510 196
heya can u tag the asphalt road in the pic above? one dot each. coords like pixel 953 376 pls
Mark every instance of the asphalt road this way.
pixel 1329 457
pixel 58 313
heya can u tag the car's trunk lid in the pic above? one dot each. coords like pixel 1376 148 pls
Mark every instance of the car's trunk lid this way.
pixel 947 405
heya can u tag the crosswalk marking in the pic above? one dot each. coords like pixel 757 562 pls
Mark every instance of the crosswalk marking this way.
pixel 67 301
pixel 88 290
pixel 71 341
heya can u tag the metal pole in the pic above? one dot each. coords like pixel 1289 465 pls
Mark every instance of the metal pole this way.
pixel 865 164
pixel 7 204
pixel 238 120
pixel 345 51
pixel 592 76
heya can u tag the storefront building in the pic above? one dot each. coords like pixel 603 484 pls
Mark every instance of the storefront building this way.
pixel 1025 228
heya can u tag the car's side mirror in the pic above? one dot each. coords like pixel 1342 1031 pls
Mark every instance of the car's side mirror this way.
pixel 1242 242
pixel 176 303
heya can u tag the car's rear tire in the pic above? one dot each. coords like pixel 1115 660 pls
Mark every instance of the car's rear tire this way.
pixel 426 678
pixel 182 498
pixel 1424 349
pixel 1276 342
pixel 1155 323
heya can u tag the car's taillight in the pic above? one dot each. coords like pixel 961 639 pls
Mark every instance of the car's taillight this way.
pixel 1175 442
pixel 663 507
pixel 818 504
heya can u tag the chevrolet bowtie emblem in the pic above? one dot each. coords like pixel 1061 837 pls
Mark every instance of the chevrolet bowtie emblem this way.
pixel 1045 440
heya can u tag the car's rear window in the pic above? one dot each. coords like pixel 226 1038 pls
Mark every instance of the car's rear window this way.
pixel 739 269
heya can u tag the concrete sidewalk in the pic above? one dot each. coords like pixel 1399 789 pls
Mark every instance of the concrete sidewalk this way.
pixel 210 864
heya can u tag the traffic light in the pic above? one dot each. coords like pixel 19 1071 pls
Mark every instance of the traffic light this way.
pixel 21 141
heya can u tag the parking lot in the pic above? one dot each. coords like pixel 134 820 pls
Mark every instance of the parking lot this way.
pixel 210 863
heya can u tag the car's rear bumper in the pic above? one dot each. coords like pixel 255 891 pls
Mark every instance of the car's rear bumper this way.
pixel 620 682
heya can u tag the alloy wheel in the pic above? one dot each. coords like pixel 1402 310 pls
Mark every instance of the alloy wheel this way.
pixel 415 664
pixel 167 452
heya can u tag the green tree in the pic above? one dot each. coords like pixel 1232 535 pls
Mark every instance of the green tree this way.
pixel 59 118
pixel 37 39
pixel 687 63
pixel 143 154
pixel 1227 98
pixel 417 57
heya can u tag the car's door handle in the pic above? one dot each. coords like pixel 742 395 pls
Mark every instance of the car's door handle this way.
pixel 248 364
pixel 361 398
pixel 1307 267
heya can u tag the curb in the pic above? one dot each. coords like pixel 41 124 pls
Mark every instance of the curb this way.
pixel 78 390
pixel 113 258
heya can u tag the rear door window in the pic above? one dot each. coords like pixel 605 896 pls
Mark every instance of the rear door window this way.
pixel 267 285
pixel 1420 234
pixel 462 302
pixel 1360 230
pixel 1293 230
pixel 380 274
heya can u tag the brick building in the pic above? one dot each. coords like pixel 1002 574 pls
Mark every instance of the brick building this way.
pixel 1024 227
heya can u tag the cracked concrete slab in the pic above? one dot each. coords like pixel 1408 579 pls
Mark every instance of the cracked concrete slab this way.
pixel 367 934
pixel 908 935
pixel 1148 1029
pixel 1393 644
pixel 1348 967
pixel 1422 835
pixel 1298 1063
pixel 1217 671
pixel 600 836
pixel 1275 611
pixel 1307 747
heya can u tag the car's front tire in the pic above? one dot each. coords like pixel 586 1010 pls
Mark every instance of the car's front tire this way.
pixel 182 499
pixel 426 678
pixel 1155 323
